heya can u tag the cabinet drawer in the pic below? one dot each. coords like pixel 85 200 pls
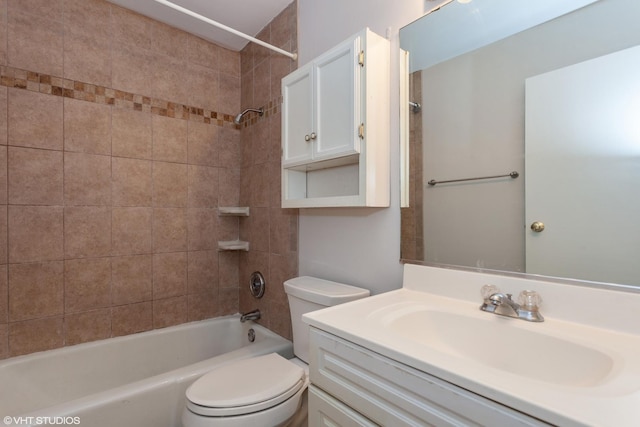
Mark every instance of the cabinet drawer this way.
pixel 391 393
pixel 324 410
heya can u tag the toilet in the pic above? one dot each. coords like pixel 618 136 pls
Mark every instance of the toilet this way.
pixel 268 390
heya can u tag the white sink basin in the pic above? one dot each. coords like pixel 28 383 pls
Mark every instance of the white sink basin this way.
pixel 580 367
pixel 496 343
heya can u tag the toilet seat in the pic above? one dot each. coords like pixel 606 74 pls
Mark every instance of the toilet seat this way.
pixel 246 386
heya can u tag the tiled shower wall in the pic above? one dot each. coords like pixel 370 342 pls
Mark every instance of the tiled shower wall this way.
pixel 116 148
pixel 271 230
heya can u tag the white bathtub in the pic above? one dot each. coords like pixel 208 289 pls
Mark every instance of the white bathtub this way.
pixel 136 380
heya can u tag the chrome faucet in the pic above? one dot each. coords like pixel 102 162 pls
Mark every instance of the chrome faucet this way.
pixel 502 304
pixel 252 315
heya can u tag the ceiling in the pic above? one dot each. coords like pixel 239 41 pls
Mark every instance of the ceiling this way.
pixel 247 16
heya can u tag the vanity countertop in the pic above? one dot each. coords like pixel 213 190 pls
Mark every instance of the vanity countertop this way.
pixel 580 367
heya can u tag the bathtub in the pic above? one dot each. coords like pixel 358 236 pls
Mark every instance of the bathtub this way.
pixel 136 380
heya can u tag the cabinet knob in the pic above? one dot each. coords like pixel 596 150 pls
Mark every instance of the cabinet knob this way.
pixel 537 226
pixel 307 138
pixel 313 135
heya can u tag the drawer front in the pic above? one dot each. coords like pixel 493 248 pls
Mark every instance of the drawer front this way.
pixel 324 410
pixel 391 393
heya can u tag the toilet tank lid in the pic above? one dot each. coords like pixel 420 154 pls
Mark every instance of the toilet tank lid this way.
pixel 323 292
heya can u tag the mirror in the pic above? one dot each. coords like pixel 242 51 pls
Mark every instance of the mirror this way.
pixel 481 73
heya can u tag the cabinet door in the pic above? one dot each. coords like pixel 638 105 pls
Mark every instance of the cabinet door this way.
pixel 324 410
pixel 297 116
pixel 338 102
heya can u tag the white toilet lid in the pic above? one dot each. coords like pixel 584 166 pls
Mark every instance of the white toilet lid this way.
pixel 245 386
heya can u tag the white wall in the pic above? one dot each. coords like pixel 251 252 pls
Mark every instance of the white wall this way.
pixel 356 246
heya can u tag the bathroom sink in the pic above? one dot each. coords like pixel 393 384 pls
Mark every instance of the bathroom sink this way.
pixel 500 344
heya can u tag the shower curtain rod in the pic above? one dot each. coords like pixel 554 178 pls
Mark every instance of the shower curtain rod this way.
pixel 186 11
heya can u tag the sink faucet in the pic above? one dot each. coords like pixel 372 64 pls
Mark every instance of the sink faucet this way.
pixel 252 315
pixel 502 304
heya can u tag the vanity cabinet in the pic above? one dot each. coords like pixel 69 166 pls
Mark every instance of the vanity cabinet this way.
pixel 335 127
pixel 353 386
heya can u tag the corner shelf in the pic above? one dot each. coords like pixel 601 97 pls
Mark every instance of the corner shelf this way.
pixel 233 211
pixel 233 245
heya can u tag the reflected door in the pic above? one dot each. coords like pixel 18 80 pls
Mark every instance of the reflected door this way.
pixel 582 152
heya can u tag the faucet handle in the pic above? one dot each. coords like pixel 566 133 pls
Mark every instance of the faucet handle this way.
pixel 487 290
pixel 530 300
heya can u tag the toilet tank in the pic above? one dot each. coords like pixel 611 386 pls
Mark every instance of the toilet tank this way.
pixel 307 294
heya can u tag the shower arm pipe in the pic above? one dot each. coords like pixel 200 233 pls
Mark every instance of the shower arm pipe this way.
pixel 186 11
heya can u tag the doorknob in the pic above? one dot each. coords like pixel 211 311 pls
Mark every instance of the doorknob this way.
pixel 537 226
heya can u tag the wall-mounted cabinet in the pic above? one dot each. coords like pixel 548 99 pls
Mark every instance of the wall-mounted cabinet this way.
pixel 335 127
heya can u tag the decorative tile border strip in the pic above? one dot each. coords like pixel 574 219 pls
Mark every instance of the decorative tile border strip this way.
pixel 58 86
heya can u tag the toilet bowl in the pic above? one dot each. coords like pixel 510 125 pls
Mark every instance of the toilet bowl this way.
pixel 269 390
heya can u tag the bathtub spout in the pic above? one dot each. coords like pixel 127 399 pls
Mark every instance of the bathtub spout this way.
pixel 252 315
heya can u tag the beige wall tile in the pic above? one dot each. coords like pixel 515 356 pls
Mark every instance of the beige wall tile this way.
pixel 132 318
pixel 131 230
pixel 202 229
pixel 204 88
pixel 201 52
pixel 35 233
pixel 35 176
pixel 203 187
pixel 228 273
pixel 169 275
pixel 3 101
pixel 3 175
pixel 228 228
pixel 87 179
pixel 3 235
pixel 202 272
pixel 87 50
pixel 169 312
pixel 50 9
pixel 130 28
pixel 3 32
pixel 35 290
pixel 169 139
pixel 4 341
pixel 169 184
pixel 256 228
pixel 229 187
pixel 87 127
pixel 169 41
pixel 35 335
pixel 228 100
pixel 87 326
pixel 202 306
pixel 132 279
pixel 34 119
pixel 128 58
pixel 169 81
pixel 34 42
pixel 169 229
pixel 87 284
pixel 88 17
pixel 131 185
pixel 260 142
pixel 229 62
pixel 203 144
pixel 229 152
pixel 87 57
pixel 227 301
pixel 87 231
pixel 4 294
pixel 131 134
